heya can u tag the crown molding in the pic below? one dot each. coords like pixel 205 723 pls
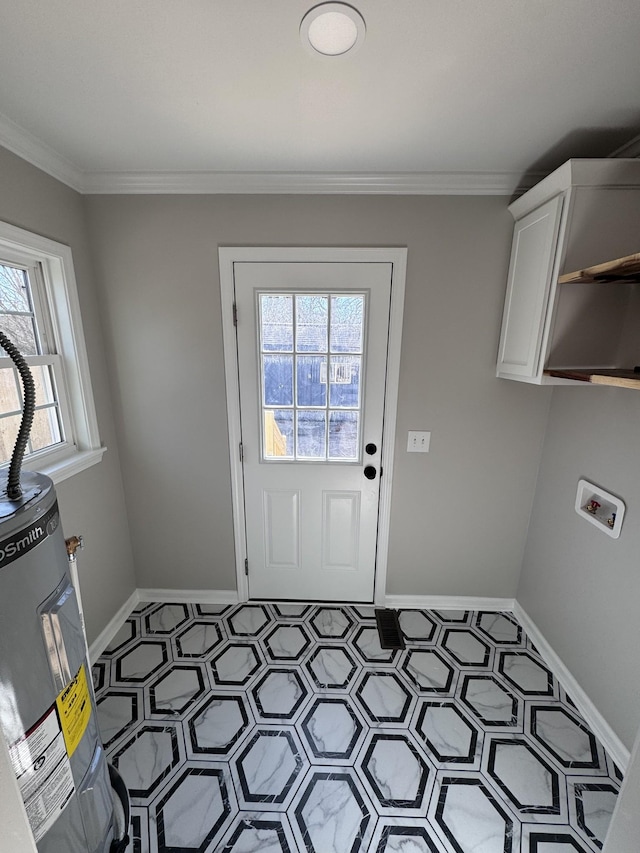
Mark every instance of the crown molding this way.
pixel 25 145
pixel 19 141
pixel 307 183
pixel 629 149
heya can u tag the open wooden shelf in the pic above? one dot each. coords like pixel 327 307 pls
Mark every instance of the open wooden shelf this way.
pixel 622 269
pixel 618 378
pixel 625 269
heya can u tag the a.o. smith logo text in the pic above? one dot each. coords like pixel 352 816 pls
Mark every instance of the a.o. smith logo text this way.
pixel 25 540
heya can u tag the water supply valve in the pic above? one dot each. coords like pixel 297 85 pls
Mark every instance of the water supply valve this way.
pixel 74 543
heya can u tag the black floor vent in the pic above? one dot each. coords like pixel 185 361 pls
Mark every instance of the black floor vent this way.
pixel 389 629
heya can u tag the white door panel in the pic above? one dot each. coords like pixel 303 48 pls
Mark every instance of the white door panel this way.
pixel 312 389
pixel 281 526
pixel 340 530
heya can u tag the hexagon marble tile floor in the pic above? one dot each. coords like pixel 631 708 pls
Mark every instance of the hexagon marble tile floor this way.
pixel 282 727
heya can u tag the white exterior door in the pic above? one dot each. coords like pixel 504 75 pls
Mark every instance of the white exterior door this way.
pixel 312 355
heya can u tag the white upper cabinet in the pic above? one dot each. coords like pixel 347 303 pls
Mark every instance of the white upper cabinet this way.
pixel 585 213
pixel 535 238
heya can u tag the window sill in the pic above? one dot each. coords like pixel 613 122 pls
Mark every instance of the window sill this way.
pixel 61 469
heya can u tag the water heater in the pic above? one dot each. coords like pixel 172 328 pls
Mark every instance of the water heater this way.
pixel 47 705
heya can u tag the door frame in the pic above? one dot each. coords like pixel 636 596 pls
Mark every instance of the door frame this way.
pixel 397 257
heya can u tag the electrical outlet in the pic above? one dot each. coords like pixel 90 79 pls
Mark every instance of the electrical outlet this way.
pixel 419 441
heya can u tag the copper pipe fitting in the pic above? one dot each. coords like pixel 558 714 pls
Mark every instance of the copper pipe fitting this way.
pixel 73 543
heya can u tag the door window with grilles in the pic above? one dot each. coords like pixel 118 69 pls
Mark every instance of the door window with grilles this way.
pixel 311 352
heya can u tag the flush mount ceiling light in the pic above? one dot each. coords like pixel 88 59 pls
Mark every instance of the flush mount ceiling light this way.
pixel 332 29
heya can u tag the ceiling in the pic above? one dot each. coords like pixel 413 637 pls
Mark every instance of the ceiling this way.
pixel 220 95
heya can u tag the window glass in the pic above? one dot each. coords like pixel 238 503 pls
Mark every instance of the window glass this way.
pixel 21 324
pixel 276 323
pixel 40 314
pixel 311 364
pixel 347 315
pixel 312 314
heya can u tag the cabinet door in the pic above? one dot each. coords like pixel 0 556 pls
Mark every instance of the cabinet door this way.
pixel 533 252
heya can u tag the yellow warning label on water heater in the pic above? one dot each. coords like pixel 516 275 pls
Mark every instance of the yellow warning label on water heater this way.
pixel 74 710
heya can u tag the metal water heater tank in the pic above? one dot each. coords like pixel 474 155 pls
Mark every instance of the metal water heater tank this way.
pixel 47 705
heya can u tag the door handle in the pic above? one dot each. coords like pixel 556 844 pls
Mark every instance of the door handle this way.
pixel 370 472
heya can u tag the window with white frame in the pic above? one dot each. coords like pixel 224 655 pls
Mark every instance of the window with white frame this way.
pixel 39 313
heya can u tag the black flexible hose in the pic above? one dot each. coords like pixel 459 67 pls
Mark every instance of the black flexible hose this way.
pixel 119 845
pixel 14 489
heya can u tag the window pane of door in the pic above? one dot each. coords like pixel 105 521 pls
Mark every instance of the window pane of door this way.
pixel 345 381
pixel 343 435
pixel 312 314
pixel 311 379
pixel 276 322
pixel 277 372
pixel 347 316
pixel 278 433
pixel 311 434
pixel 303 385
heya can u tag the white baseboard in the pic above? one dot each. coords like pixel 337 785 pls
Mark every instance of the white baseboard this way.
pixel 181 596
pixel 112 627
pixel 602 730
pixel 597 723
pixel 448 602
pixel 190 596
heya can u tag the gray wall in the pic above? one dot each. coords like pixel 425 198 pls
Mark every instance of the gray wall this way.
pixel 581 587
pixel 459 514
pixel 91 503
